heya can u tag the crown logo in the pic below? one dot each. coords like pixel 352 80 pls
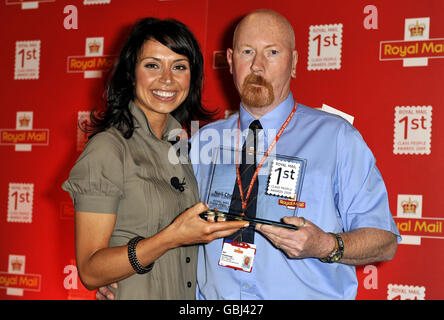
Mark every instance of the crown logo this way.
pixel 417 29
pixel 94 46
pixel 16 264
pixel 24 121
pixel 409 206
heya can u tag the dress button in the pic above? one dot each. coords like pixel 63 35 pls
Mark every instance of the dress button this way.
pixel 188 259
pixel 189 284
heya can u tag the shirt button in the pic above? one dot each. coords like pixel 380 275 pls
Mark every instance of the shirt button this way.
pixel 188 259
pixel 189 284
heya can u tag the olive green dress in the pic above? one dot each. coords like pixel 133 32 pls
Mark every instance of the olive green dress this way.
pixel 132 178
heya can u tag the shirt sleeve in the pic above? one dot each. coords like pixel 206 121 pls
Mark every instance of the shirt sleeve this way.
pixel 95 183
pixel 362 195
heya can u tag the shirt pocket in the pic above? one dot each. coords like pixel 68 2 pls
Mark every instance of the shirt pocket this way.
pixel 318 202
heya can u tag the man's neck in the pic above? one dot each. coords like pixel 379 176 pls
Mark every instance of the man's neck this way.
pixel 258 112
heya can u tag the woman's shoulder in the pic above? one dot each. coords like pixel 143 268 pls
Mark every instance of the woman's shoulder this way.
pixel 109 138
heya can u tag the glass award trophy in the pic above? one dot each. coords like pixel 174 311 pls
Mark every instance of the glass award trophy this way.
pixel 280 181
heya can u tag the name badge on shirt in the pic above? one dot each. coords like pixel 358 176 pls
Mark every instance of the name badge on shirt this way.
pixel 237 255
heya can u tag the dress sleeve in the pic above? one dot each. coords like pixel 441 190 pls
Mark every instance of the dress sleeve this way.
pixel 95 183
pixel 362 194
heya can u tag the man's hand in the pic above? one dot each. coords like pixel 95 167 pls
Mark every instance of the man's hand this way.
pixel 308 241
pixel 361 246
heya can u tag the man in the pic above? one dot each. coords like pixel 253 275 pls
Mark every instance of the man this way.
pixel 346 203
pixel 346 220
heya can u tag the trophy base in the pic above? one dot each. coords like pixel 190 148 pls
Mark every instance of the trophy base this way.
pixel 253 221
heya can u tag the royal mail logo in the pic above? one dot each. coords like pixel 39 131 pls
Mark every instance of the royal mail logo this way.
pixel 426 227
pixel 29 282
pixel 94 62
pixel 416 48
pixel 16 281
pixel 412 49
pixel 405 292
pixel 412 225
pixel 409 206
pixel 23 137
pixel 27 4
pixel 291 203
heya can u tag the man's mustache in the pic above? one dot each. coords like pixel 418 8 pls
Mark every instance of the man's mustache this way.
pixel 255 79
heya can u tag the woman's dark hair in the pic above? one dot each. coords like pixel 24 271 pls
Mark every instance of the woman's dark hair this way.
pixel 120 89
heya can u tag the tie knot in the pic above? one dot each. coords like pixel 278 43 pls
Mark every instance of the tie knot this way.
pixel 255 125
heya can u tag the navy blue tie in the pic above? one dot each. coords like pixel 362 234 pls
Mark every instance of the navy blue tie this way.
pixel 247 167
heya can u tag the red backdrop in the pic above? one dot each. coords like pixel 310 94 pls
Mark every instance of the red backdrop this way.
pixel 378 61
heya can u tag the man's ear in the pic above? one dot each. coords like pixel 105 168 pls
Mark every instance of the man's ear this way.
pixel 294 63
pixel 230 59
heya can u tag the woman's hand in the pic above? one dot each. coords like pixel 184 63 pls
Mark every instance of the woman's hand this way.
pixel 189 227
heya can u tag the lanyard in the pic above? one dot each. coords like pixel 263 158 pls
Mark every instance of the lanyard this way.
pixel 256 172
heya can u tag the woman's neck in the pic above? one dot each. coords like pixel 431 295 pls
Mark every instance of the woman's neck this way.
pixel 156 120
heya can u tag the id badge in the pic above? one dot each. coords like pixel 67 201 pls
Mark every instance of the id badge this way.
pixel 237 255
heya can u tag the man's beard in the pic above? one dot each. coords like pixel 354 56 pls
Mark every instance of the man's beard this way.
pixel 256 97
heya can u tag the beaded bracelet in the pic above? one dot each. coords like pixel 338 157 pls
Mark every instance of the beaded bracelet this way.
pixel 133 258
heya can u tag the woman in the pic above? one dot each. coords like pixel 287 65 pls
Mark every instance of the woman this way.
pixel 128 195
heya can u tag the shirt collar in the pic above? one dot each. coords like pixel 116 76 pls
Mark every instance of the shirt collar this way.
pixel 272 120
pixel 142 122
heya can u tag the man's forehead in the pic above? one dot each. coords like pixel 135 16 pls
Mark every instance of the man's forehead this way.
pixel 261 44
pixel 265 29
pixel 262 40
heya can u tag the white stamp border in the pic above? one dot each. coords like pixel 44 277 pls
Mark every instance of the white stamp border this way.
pixel 25 2
pixel 338 67
pixel 37 75
pixel 273 164
pixel 93 2
pixel 28 219
pixel 391 295
pixel 428 139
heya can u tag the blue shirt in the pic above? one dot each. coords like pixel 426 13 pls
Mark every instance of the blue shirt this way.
pixel 342 190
